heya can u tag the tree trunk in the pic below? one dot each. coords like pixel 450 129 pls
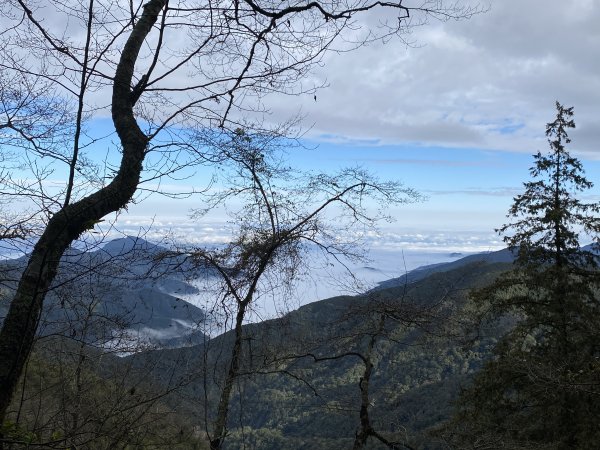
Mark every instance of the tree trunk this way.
pixel 216 441
pixel 366 429
pixel 20 325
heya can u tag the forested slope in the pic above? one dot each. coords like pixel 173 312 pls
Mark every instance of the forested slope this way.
pixel 302 386
pixel 301 379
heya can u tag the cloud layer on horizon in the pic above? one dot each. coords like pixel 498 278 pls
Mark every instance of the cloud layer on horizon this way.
pixel 391 239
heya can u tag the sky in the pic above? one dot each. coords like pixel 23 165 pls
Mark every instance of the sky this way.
pixel 454 110
pixel 456 115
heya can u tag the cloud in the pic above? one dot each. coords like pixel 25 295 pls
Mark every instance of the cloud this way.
pixel 428 241
pixel 431 162
pixel 489 82
pixel 478 191
pixel 393 237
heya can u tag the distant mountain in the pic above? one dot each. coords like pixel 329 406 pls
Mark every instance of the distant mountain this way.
pixel 137 290
pixel 128 292
pixel 128 244
pixel 500 256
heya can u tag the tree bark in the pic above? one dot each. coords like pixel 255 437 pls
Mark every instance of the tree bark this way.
pixel 20 325
pixel 366 429
pixel 220 426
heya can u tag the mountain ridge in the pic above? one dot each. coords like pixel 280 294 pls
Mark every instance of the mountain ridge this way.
pixel 129 285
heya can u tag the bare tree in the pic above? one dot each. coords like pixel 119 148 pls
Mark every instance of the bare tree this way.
pixel 281 220
pixel 161 67
pixel 357 346
pixel 389 320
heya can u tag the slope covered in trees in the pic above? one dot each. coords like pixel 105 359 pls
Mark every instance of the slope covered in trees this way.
pixel 300 381
pixel 301 385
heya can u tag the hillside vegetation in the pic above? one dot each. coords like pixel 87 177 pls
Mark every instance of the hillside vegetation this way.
pixel 299 388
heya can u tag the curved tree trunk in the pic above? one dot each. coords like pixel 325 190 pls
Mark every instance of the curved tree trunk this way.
pixel 20 325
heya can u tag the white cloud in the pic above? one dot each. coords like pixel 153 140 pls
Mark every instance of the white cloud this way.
pixel 392 238
pixel 489 82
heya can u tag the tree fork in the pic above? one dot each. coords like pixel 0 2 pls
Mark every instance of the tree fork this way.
pixel 20 325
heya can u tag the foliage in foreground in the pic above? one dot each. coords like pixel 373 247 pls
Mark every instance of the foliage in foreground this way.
pixel 541 388
pixel 76 397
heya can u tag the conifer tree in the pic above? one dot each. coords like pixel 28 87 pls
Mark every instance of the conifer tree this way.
pixel 547 217
pixel 541 389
